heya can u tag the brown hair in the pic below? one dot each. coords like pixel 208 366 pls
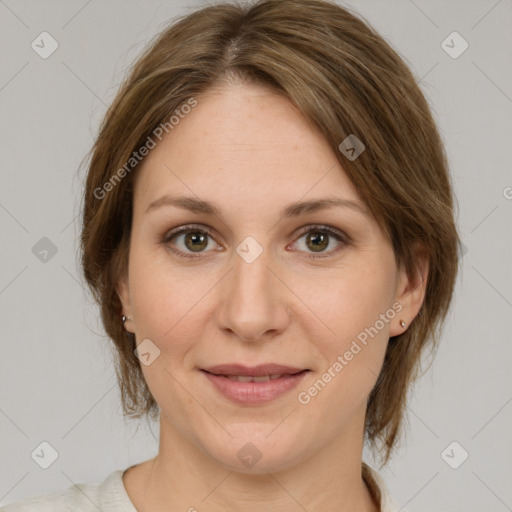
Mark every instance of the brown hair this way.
pixel 345 79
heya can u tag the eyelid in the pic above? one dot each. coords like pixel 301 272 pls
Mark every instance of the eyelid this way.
pixel 330 230
pixel 325 227
pixel 188 227
pixel 185 229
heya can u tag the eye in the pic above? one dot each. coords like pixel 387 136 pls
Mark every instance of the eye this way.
pixel 195 240
pixel 318 238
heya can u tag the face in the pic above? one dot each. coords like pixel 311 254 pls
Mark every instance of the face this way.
pixel 314 289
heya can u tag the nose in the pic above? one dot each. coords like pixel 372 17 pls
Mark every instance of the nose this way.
pixel 255 302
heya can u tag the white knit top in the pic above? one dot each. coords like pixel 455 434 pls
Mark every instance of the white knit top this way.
pixel 111 496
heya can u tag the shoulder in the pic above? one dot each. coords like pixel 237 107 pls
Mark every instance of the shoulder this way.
pixel 54 502
pixel 107 496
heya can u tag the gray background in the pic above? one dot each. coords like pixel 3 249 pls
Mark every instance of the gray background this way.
pixel 56 377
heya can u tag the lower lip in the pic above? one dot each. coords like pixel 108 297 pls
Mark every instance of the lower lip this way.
pixel 254 393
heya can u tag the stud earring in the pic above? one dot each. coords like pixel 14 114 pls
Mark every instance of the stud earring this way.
pixel 402 324
pixel 124 318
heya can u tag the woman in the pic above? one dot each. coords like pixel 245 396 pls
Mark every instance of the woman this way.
pixel 268 230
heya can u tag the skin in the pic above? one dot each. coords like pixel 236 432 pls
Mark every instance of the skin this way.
pixel 249 151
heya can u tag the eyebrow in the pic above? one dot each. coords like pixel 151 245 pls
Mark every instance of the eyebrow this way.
pixel 292 210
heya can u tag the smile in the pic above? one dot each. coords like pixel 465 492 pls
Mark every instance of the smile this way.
pixel 254 390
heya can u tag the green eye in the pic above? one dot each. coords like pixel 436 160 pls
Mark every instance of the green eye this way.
pixel 196 240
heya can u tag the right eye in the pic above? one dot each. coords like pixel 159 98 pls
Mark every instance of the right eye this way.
pixel 194 237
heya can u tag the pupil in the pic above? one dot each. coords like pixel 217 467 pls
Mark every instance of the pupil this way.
pixel 319 237
pixel 195 237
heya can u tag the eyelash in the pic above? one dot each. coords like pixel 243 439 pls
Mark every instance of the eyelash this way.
pixel 338 235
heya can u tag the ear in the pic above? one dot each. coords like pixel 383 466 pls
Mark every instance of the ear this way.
pixel 410 293
pixel 123 291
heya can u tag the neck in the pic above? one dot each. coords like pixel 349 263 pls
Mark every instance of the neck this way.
pixel 182 477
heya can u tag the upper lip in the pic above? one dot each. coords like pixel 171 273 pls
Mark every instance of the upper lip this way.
pixel 253 371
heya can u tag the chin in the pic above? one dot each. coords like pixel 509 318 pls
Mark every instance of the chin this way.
pixel 253 451
pixel 268 463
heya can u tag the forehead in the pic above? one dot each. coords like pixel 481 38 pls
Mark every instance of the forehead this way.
pixel 242 141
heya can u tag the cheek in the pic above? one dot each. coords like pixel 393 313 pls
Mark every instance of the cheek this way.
pixel 357 311
pixel 349 299
pixel 168 300
pixel 154 301
pixel 354 307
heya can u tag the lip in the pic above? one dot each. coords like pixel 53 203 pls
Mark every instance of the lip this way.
pixel 253 371
pixel 256 393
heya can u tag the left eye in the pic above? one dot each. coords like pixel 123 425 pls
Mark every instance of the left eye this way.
pixel 318 237
pixel 196 240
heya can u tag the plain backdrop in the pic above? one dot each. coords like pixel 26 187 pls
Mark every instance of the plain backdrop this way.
pixel 57 382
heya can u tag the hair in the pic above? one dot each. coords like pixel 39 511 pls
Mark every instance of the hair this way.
pixel 345 79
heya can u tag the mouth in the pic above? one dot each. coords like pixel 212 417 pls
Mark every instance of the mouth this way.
pixel 270 370
pixel 247 385
pixel 248 378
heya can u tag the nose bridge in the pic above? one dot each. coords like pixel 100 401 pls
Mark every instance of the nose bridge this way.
pixel 251 275
pixel 253 303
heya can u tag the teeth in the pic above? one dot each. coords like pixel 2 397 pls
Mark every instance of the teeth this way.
pixel 248 378
pixel 240 378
